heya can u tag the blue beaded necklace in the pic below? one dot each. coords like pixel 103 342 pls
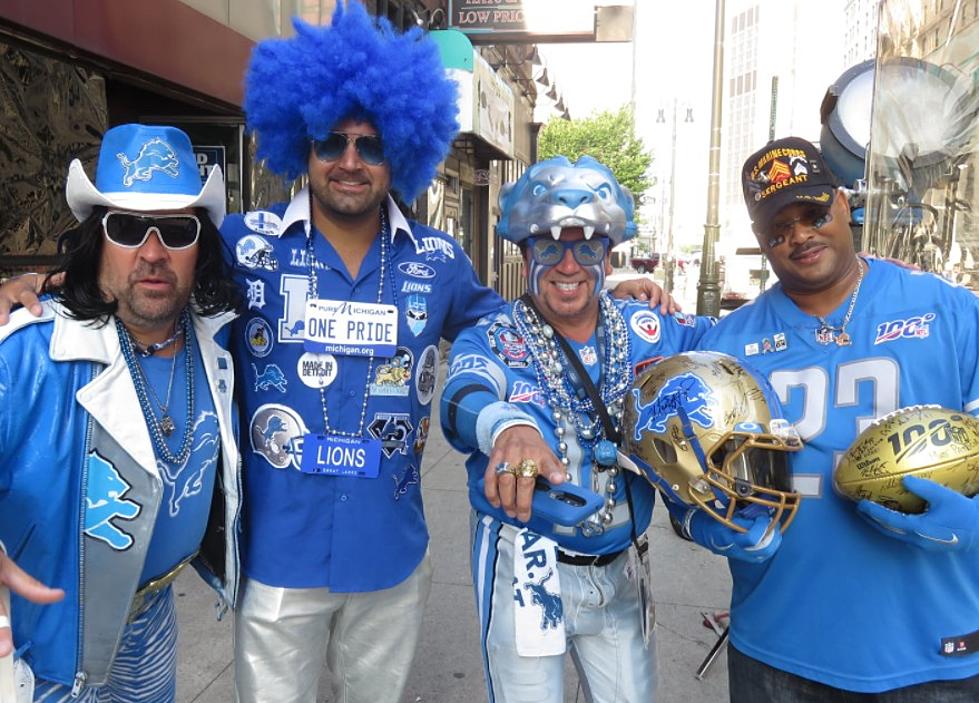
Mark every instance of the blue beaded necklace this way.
pixel 153 423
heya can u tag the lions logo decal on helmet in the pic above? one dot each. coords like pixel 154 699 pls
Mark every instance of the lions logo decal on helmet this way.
pixel 708 432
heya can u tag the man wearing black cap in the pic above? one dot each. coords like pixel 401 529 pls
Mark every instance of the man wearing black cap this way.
pixel 844 611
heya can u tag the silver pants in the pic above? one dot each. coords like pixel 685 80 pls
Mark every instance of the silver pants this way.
pixel 284 635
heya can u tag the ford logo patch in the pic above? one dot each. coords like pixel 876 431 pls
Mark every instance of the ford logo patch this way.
pixel 416 269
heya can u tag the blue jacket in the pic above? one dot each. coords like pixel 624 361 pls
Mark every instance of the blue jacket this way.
pixel 68 408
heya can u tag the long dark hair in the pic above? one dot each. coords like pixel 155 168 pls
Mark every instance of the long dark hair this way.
pixel 214 289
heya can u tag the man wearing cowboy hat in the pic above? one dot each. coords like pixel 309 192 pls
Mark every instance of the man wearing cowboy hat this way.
pixel 539 390
pixel 117 447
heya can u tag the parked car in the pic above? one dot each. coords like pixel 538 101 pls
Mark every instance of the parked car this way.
pixel 645 264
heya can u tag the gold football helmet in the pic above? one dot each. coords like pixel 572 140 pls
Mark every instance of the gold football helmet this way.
pixel 709 433
pixel 922 440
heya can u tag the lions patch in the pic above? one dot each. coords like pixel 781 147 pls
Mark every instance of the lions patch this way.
pixel 263 222
pixel 269 378
pixel 646 324
pixel 104 503
pixel 393 430
pixel 392 378
pixel 408 478
pixel 258 337
pixel 416 313
pixel 276 433
pixel 425 374
pixel 508 345
pixel 253 252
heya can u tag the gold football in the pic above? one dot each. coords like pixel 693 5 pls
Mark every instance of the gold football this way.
pixel 922 440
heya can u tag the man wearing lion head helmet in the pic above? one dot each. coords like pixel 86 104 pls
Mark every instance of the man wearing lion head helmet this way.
pixel 538 391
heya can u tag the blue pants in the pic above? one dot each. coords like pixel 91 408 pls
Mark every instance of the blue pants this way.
pixel 751 681
pixel 145 667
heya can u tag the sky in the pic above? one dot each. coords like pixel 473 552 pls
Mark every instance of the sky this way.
pixel 673 60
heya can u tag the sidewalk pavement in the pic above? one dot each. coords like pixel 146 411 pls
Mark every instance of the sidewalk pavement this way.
pixel 448 666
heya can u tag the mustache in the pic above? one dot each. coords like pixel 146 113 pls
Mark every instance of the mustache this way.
pixel 159 271
pixel 803 248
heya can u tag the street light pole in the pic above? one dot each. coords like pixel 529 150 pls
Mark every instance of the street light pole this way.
pixel 670 264
pixel 708 288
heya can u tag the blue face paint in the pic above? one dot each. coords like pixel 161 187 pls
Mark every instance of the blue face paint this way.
pixel 537 272
pixel 598 271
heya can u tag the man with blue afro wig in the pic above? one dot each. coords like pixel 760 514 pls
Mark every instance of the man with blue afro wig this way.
pixel 336 355
pixel 299 89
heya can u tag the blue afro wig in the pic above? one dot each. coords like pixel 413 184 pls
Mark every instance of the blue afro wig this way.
pixel 299 89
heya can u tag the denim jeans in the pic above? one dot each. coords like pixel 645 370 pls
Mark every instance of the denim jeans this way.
pixel 752 681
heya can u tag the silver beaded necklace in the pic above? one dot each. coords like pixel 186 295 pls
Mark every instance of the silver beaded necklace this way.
pixel 156 427
pixel 827 333
pixel 564 402
pixel 313 293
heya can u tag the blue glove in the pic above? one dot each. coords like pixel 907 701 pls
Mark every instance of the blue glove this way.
pixel 751 546
pixel 951 522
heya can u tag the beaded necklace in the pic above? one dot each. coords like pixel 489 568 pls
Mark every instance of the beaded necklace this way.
pixel 576 409
pixel 313 294
pixel 153 423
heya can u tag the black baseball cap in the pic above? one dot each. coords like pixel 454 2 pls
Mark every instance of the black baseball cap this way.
pixel 785 171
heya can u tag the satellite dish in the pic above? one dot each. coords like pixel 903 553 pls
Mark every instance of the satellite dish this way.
pixel 924 120
pixel 845 116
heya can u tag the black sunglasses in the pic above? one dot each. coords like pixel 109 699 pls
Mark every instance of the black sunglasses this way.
pixel 368 146
pixel 131 230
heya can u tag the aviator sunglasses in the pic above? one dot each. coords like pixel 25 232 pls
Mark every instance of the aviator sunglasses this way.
pixel 130 230
pixel 368 146
pixel 587 252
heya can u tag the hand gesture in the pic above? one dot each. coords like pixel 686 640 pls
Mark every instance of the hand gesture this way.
pixel 519 455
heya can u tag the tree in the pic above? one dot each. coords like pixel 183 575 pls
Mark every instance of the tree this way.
pixel 607 136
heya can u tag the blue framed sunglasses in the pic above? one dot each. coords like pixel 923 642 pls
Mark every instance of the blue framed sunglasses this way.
pixel 547 251
pixel 369 147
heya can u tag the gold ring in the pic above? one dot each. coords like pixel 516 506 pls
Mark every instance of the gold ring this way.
pixel 527 469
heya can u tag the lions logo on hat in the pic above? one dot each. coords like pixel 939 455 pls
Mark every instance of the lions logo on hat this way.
pixel 154 156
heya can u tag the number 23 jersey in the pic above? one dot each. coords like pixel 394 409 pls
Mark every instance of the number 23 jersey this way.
pixel 839 602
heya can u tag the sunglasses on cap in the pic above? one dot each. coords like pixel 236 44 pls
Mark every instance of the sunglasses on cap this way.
pixel 547 251
pixel 813 217
pixel 369 147
pixel 130 230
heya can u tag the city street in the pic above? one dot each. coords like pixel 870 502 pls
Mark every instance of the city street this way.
pixel 448 668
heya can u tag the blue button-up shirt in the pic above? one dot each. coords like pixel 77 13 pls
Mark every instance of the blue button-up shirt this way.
pixel 348 534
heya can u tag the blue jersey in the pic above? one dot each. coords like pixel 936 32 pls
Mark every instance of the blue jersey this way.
pixel 187 488
pixel 840 603
pixel 346 533
pixel 494 356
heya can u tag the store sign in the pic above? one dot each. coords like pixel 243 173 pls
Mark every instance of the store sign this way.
pixel 208 157
pixel 493 106
pixel 524 19
pixel 486 102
